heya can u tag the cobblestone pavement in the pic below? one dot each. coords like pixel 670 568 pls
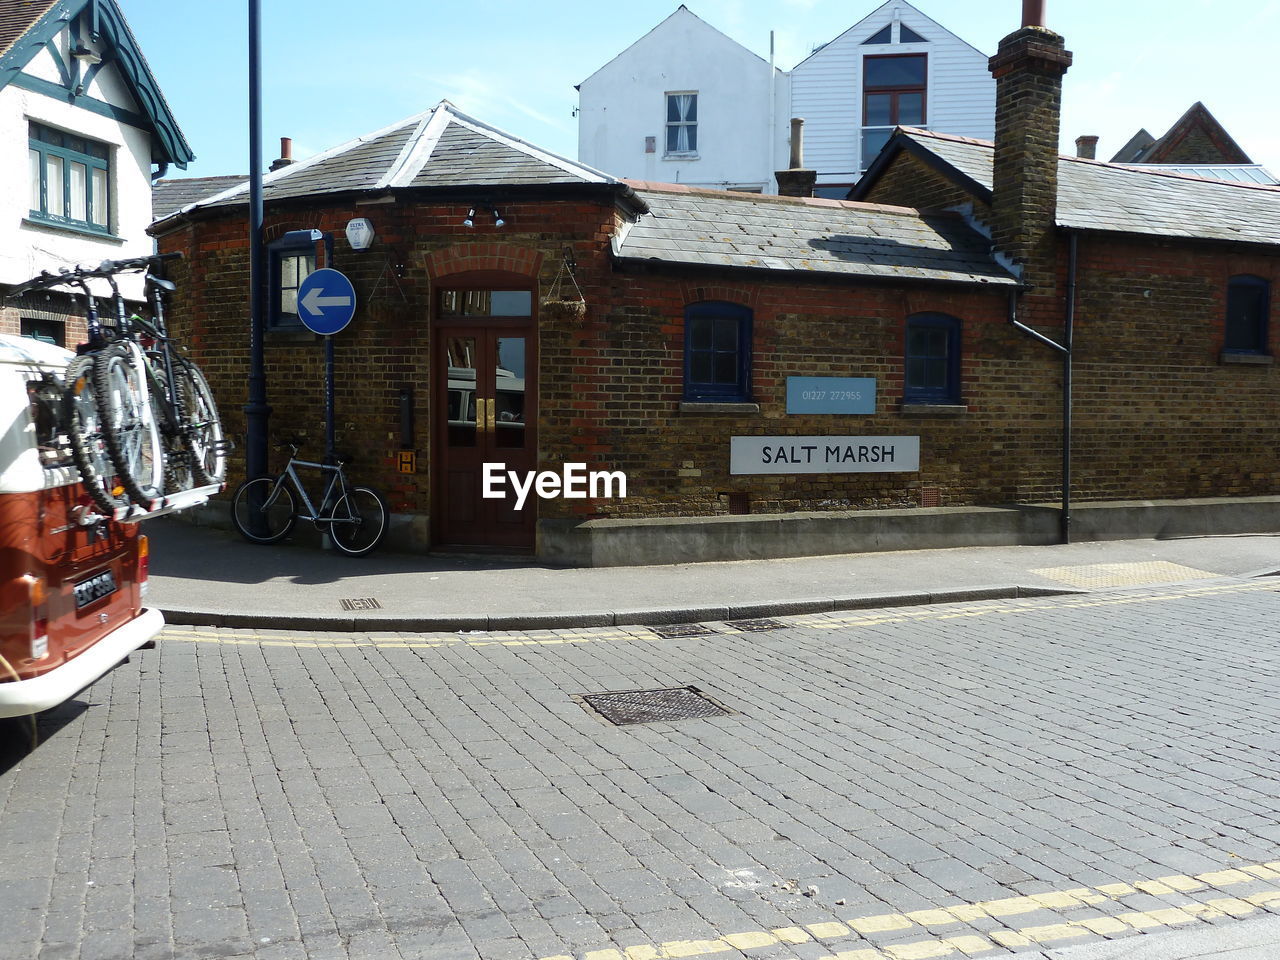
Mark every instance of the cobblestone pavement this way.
pixel 958 780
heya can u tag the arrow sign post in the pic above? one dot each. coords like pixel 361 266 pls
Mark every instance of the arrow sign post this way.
pixel 326 301
pixel 326 304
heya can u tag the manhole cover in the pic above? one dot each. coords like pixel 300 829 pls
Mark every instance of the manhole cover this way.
pixel 754 626
pixel 653 706
pixel 672 631
pixel 361 603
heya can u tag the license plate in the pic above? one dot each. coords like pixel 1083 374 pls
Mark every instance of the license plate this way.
pixel 95 588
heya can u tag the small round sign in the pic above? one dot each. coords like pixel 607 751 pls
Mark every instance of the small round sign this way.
pixel 326 301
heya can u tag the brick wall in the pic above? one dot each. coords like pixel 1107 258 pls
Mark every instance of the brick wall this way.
pixel 1156 412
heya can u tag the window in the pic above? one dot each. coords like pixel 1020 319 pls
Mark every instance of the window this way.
pixel 907 35
pixel 717 352
pixel 682 124
pixel 1248 303
pixel 292 261
pixel 932 362
pixel 893 95
pixel 70 179
pixel 47 331
pixel 883 35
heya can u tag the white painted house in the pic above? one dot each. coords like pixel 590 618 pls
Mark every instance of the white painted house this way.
pixel 896 66
pixel 686 104
pixel 82 124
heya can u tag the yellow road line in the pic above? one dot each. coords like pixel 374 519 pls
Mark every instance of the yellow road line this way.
pixel 971 942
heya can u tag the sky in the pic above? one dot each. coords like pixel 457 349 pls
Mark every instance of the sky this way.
pixel 337 69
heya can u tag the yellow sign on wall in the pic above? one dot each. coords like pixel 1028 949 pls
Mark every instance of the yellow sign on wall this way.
pixel 408 461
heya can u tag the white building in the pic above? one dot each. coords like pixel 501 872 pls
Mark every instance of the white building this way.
pixel 896 66
pixel 82 124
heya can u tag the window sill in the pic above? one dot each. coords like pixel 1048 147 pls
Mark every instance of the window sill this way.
pixel 1245 358
pixel 680 156
pixel 299 334
pixel 715 408
pixel 918 409
pixel 72 228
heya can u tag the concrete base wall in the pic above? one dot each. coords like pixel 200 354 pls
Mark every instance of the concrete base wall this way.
pixel 610 543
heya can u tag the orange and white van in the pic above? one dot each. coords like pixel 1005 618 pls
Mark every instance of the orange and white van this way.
pixel 72 583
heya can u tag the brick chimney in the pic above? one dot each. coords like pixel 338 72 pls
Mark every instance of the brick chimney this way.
pixel 797 181
pixel 286 154
pixel 1087 147
pixel 1028 68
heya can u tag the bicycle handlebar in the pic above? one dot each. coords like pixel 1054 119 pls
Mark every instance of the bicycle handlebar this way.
pixel 107 269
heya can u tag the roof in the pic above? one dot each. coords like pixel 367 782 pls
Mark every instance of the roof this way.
pixel 26 26
pixel 442 147
pixel 877 18
pixel 697 227
pixel 1239 172
pixel 170 195
pixel 1093 195
pixel 1173 147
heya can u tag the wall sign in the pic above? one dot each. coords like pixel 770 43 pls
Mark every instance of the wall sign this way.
pixel 831 395
pixel 749 455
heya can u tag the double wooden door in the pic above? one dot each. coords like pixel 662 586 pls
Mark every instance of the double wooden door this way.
pixel 485 384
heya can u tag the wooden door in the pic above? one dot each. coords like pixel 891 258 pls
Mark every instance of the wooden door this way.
pixel 485 391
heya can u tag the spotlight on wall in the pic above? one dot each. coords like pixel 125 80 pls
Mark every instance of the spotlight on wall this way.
pixel 471 218
pixel 497 218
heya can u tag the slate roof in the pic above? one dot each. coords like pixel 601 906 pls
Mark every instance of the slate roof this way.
pixel 697 227
pixel 1093 195
pixel 170 195
pixel 442 147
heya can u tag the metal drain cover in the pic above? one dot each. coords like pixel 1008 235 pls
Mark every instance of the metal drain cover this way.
pixel 653 706
pixel 671 631
pixel 754 626
pixel 361 603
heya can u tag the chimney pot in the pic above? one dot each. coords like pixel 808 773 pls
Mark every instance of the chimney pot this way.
pixel 796 181
pixel 797 143
pixel 1087 147
pixel 286 154
pixel 1033 13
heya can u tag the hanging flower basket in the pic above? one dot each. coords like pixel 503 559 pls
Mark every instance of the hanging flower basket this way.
pixel 562 303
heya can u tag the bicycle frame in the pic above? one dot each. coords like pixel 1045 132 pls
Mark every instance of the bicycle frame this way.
pixel 337 481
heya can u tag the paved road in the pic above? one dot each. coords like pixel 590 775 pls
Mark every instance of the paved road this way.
pixel 1019 776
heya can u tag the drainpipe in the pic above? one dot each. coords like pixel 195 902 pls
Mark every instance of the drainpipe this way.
pixel 1065 349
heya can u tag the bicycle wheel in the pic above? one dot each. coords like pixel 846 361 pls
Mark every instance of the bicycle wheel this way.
pixel 262 510
pixel 358 521
pixel 202 427
pixel 129 424
pixel 88 448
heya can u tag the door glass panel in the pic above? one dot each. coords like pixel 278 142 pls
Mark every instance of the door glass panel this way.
pixel 910 109
pixel 508 382
pixel 462 391
pixel 879 109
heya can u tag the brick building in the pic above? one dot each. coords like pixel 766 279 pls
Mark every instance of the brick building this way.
pixel 764 370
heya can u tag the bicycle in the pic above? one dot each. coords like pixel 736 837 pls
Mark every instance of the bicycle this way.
pixel 264 510
pixel 141 418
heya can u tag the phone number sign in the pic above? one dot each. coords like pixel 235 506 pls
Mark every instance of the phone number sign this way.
pixel 831 395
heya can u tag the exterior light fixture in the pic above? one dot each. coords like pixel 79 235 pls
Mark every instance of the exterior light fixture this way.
pixel 471 218
pixel 497 218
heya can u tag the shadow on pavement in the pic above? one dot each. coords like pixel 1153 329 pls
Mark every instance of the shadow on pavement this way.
pixel 22 736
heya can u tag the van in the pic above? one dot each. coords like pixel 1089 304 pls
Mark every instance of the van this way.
pixel 72 582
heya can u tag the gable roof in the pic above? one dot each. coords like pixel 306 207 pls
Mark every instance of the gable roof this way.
pixel 1093 195
pixel 687 226
pixel 876 18
pixel 1197 120
pixel 442 148
pixel 27 26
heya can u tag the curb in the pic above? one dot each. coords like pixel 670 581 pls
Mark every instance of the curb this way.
pixel 650 616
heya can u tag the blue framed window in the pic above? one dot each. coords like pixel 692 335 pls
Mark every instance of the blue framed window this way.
pixel 1248 305
pixel 70 179
pixel 717 352
pixel 932 359
pixel 292 259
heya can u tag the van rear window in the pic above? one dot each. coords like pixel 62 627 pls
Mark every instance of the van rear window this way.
pixel 46 405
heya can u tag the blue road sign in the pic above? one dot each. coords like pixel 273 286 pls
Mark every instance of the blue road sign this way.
pixel 326 301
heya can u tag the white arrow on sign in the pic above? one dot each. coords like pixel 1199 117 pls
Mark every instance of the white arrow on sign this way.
pixel 315 302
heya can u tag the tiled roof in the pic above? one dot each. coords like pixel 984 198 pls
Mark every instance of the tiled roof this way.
pixel 170 195
pixel 19 16
pixel 1093 195
pixel 440 148
pixel 698 227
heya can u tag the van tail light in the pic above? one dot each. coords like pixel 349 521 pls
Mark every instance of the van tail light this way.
pixel 38 601
pixel 144 564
